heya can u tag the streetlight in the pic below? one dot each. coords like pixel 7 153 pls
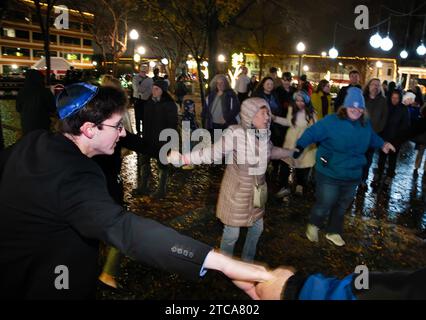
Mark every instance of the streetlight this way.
pixel 421 49
pixel 376 40
pixel 404 54
pixel 333 53
pixel 305 68
pixel 165 61
pixel 221 58
pixel 387 43
pixel 323 54
pixel 141 50
pixel 134 35
pixel 300 48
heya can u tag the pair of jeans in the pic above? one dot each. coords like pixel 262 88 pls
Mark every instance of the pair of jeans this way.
pixel 333 198
pixel 231 234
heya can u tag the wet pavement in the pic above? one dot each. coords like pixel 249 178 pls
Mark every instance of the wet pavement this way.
pixel 380 228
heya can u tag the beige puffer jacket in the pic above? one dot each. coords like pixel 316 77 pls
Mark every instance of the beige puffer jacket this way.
pixel 235 203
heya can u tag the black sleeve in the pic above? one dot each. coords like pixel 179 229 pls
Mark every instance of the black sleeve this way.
pixel 293 287
pixel 88 208
pixel 172 116
pixel 416 129
pixel 4 157
pixel 133 142
pixel 340 98
pixel 394 286
pixel 50 101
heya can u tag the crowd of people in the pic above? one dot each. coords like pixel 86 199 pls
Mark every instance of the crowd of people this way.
pixel 54 196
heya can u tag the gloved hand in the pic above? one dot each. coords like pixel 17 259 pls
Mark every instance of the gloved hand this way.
pixel 298 152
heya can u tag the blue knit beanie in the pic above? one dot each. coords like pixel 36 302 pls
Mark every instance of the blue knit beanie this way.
pixel 354 98
pixel 303 95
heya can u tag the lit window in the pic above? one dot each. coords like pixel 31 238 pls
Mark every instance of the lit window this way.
pixel 9 32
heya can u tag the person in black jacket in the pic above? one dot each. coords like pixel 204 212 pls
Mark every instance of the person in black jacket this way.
pixel 266 90
pixel 35 103
pixel 55 208
pixel 354 78
pixel 398 120
pixel 290 285
pixel 160 113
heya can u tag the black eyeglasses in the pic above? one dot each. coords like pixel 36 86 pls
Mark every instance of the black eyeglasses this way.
pixel 119 126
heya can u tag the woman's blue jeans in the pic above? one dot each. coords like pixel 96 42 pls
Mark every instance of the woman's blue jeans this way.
pixel 333 198
pixel 230 237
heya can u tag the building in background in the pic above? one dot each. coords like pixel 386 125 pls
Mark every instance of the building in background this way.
pixel 21 41
pixel 318 67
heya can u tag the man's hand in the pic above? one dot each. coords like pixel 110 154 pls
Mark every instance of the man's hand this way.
pixel 244 275
pixel 388 147
pixel 272 289
pixel 175 158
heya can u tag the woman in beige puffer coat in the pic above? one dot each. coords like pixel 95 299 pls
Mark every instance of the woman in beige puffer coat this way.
pixel 247 153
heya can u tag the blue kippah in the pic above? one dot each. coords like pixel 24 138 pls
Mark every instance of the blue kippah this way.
pixel 74 98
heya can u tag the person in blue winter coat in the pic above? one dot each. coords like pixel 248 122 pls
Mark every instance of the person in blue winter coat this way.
pixel 291 285
pixel 343 140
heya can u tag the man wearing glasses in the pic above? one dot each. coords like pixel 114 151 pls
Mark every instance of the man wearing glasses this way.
pixel 55 207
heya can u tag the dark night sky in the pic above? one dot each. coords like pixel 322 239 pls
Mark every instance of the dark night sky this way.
pixel 319 36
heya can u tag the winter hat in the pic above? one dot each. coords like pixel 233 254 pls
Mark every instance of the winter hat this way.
pixel 354 98
pixel 161 84
pixel 249 108
pixel 408 99
pixel 73 98
pixel 304 96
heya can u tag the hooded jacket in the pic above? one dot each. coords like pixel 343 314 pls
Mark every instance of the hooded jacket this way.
pixel 342 146
pixel 235 203
pixel 35 103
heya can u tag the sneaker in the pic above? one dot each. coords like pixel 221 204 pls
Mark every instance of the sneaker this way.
pixel 336 239
pixel 283 192
pixel 299 190
pixel 312 233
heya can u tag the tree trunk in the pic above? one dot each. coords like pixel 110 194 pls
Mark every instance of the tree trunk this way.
pixel 212 39
pixel 47 53
pixel 200 81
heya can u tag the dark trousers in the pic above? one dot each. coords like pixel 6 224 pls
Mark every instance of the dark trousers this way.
pixel 146 174
pixel 242 96
pixel 217 126
pixel 333 198
pixel 139 107
pixel 392 156
pixel 369 155
pixel 301 175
